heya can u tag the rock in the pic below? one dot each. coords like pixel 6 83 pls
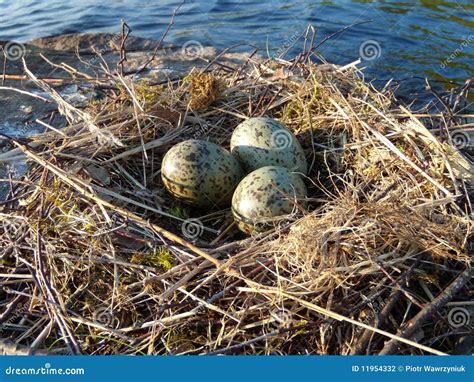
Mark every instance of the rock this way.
pixel 19 112
pixel 93 42
pixel 170 62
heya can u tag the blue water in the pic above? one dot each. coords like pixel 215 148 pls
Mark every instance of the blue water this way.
pixel 412 38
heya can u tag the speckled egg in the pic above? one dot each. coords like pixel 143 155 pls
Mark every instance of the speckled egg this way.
pixel 265 194
pixel 201 173
pixel 261 141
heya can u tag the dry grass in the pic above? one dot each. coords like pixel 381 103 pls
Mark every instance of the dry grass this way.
pixel 97 258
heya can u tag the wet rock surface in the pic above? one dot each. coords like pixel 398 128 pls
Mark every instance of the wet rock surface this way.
pixel 85 52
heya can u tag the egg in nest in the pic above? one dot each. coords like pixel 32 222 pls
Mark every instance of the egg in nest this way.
pixel 261 141
pixel 201 173
pixel 264 194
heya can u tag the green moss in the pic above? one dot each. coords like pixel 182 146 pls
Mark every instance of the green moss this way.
pixel 148 92
pixel 402 146
pixel 161 258
pixel 296 108
pixel 179 211
pixel 145 91
pixel 181 340
pixel 68 212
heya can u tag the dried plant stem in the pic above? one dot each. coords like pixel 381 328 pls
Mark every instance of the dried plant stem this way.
pixel 415 323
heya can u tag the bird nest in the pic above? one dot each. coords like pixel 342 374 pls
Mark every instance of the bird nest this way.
pixel 98 258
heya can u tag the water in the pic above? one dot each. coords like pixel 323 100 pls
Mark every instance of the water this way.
pixel 406 39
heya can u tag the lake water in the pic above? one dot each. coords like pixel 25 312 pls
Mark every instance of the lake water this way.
pixel 405 38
